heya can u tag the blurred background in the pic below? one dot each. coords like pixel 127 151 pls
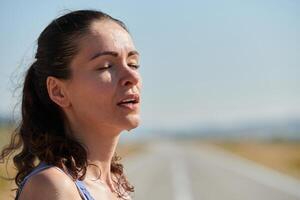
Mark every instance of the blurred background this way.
pixel 220 99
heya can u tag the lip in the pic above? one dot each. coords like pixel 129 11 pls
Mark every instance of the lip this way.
pixel 134 96
pixel 131 106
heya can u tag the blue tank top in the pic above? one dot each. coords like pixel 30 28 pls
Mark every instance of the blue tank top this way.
pixel 84 193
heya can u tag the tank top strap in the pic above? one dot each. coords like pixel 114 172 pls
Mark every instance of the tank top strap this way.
pixel 83 190
pixel 42 166
pixel 84 193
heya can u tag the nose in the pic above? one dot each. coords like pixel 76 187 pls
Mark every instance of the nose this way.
pixel 130 76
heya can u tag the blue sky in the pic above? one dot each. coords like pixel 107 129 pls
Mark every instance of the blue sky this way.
pixel 203 62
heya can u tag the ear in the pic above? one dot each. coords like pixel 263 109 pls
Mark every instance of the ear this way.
pixel 57 91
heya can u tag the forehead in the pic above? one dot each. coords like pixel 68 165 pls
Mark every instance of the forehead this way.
pixel 106 35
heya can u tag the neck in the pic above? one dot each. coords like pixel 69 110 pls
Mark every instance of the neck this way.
pixel 100 153
pixel 101 144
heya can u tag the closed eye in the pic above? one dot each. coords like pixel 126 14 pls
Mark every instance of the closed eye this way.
pixel 134 66
pixel 105 66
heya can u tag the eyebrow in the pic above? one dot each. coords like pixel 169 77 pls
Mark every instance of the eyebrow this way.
pixel 131 53
pixel 112 53
pixel 104 53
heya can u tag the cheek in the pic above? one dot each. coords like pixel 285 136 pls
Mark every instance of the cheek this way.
pixel 105 78
pixel 93 91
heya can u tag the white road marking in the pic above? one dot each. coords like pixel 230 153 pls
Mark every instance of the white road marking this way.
pixel 180 179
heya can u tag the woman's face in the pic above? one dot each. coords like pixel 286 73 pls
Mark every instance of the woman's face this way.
pixel 104 72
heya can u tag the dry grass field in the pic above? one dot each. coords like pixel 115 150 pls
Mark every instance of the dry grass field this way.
pixel 6 170
pixel 283 156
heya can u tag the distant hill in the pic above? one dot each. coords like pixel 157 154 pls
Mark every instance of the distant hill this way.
pixel 4 120
pixel 263 130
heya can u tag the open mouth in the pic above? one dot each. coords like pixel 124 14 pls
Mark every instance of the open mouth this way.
pixel 130 101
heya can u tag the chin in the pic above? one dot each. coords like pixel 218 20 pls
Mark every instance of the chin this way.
pixel 132 123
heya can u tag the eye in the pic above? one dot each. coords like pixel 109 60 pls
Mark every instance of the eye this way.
pixel 105 66
pixel 136 66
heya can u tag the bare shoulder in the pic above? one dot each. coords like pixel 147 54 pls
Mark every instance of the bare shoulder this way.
pixel 50 184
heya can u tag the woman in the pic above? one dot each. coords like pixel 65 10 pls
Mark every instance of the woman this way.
pixel 81 91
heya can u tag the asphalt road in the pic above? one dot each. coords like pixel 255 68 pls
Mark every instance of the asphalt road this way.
pixel 178 171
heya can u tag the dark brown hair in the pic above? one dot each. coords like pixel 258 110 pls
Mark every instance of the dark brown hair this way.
pixel 41 134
